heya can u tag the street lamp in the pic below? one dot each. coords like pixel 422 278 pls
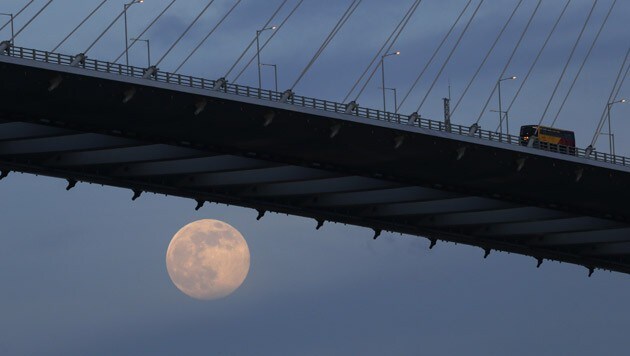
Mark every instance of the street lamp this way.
pixel 11 20
pixel 126 6
pixel 275 72
pixel 611 139
pixel 383 75
pixel 507 124
pixel 258 32
pixel 148 49
pixel 395 98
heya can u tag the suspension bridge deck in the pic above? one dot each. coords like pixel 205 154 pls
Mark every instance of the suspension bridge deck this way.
pixel 104 123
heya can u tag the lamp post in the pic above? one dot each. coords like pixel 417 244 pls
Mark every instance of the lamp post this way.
pixel 501 112
pixel 383 75
pixel 393 90
pixel 12 29
pixel 148 49
pixel 611 138
pixel 275 73
pixel 258 32
pixel 126 6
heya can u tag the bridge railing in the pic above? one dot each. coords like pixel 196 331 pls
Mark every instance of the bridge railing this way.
pixel 318 104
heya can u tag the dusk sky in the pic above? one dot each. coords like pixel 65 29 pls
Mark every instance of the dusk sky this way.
pixel 83 272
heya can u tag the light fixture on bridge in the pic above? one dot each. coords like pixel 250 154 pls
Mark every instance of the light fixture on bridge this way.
pixel 395 53
pixel 125 7
pixel 501 112
pixel 258 32
pixel 611 137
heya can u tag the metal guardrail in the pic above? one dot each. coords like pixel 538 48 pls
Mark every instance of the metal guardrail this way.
pixel 318 104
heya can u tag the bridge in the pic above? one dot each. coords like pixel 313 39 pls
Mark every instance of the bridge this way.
pixel 90 121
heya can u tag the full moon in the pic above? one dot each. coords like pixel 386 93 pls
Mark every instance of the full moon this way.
pixel 207 259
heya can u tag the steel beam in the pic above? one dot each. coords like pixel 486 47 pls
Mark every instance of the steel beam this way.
pixel 322 186
pixel 492 217
pixel 583 238
pixel 439 207
pixel 220 163
pixel 22 130
pixel 81 142
pixel 549 226
pixel 257 176
pixel 125 155
pixel 383 196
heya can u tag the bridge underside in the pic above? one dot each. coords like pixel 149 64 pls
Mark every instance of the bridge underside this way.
pixel 277 158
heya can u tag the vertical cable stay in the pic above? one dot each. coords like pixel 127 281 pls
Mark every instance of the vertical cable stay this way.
pixel 614 93
pixel 588 54
pixel 381 50
pixel 398 31
pixel 253 41
pixel 145 30
pixel 185 32
pixel 485 59
pixel 459 40
pixel 31 20
pixel 268 40
pixel 342 21
pixel 207 36
pixel 509 61
pixel 79 25
pixel 17 14
pixel 535 62
pixel 566 65
pixel 435 53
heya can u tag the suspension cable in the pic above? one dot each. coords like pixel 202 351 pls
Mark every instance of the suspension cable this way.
pixel 588 54
pixel 437 77
pixel 619 82
pixel 540 52
pixel 78 26
pixel 31 20
pixel 401 28
pixel 251 43
pixel 342 21
pixel 435 53
pixel 17 14
pixel 268 40
pixel 367 69
pixel 145 30
pixel 185 32
pixel 207 36
pixel 509 62
pixel 566 65
pixel 105 31
pixel 485 59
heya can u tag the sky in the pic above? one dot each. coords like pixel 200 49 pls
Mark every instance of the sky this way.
pixel 83 272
